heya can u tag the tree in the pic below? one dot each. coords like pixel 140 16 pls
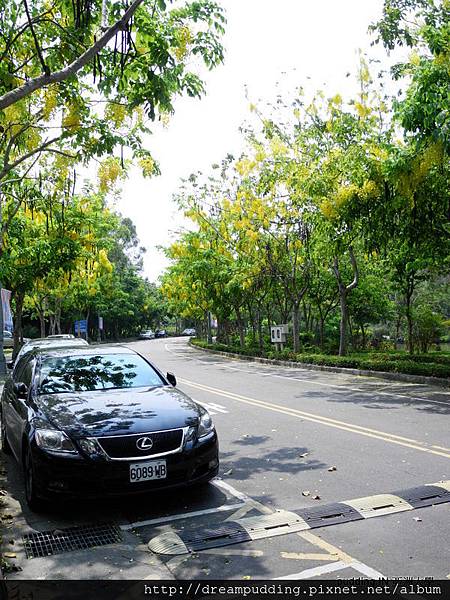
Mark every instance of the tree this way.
pixel 422 25
pixel 79 79
pixel 50 44
pixel 48 101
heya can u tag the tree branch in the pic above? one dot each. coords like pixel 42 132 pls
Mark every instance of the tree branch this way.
pixel 7 168
pixel 11 141
pixel 354 283
pixel 36 42
pixel 57 151
pixel 44 80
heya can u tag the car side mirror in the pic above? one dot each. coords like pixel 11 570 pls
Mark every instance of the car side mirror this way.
pixel 21 390
pixel 171 379
pixel 10 364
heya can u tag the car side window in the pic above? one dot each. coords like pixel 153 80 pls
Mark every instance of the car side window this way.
pixel 23 371
pixel 27 376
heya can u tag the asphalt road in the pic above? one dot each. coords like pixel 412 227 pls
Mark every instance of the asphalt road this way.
pixel 280 430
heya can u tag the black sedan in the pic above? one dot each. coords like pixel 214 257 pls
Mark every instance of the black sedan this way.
pixel 92 422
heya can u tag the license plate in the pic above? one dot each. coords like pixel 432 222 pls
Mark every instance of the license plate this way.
pixel 146 471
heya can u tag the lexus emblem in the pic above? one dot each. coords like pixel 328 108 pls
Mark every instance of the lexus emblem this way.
pixel 144 443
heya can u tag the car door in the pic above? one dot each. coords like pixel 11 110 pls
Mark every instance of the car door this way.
pixel 16 409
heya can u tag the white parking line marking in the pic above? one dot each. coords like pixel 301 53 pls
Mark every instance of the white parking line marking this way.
pixel 366 570
pixel 240 495
pixel 335 566
pixel 198 513
pixel 321 570
pixel 308 556
pixel 233 552
pixel 188 515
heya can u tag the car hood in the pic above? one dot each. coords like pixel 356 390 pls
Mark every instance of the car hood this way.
pixel 119 412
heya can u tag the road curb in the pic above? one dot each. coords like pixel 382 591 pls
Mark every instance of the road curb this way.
pixel 439 381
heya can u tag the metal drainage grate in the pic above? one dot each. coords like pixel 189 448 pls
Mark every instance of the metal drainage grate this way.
pixel 47 543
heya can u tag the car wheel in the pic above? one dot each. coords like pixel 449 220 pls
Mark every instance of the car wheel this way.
pixel 33 500
pixel 5 444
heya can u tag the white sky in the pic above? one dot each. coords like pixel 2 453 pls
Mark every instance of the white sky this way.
pixel 305 38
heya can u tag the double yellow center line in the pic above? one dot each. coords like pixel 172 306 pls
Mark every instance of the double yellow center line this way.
pixel 293 412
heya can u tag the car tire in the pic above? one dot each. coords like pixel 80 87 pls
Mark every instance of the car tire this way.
pixel 33 500
pixel 5 444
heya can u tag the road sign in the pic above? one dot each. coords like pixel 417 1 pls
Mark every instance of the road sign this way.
pixel 278 333
pixel 81 326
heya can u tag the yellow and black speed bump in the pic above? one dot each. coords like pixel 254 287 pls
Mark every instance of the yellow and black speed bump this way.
pixel 329 514
pixel 283 522
pixel 425 495
pixel 214 537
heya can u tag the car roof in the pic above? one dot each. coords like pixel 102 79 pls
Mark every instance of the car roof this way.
pixel 60 336
pixel 83 351
pixel 54 342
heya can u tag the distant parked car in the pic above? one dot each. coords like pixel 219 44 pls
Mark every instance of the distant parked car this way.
pixel 8 340
pixel 161 333
pixel 189 331
pixel 147 335
pixel 61 336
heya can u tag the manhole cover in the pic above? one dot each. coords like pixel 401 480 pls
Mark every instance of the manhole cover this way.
pixel 46 543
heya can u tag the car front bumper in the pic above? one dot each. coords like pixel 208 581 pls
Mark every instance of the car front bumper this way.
pixel 76 476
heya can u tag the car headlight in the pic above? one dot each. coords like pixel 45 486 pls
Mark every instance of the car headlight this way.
pixel 91 447
pixel 205 425
pixel 54 441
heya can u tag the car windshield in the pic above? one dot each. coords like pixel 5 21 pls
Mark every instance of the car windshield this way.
pixel 95 372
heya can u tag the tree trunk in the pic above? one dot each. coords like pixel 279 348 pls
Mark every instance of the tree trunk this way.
pixel 343 323
pixel 42 323
pixel 226 332
pixel 58 317
pixel 260 331
pixel 343 290
pixel 397 330
pixel 240 323
pixel 307 316
pixel 296 327
pixel 251 316
pixel 269 316
pixel 52 324
pixel 208 328
pixel 353 337
pixel 409 319
pixel 321 330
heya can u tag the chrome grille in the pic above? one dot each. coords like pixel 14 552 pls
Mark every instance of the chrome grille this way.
pixel 123 447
